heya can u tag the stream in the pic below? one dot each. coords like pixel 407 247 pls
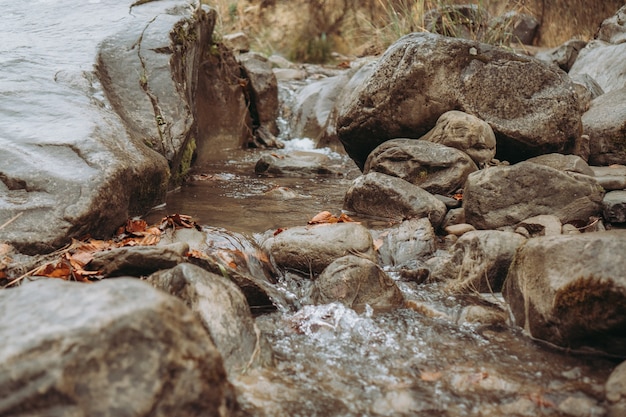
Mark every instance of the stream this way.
pixel 333 361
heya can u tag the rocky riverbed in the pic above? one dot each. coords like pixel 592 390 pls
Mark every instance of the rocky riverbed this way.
pixel 450 241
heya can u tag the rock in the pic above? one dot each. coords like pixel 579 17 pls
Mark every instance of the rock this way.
pixel 296 164
pixel 459 229
pixel 570 290
pixel 223 117
pixel 587 90
pixel 613 29
pixel 603 62
pixel 612 177
pixel 542 225
pixel 310 249
pixel 460 21
pixel 531 106
pixel 356 282
pixel 348 94
pixel 454 217
pixel 138 260
pixel 381 195
pixel 313 103
pixel 224 312
pixel 516 27
pixel 605 123
pixel 581 407
pixel 237 258
pixel 480 261
pixel 563 55
pixel 261 90
pixel 410 241
pixel 566 163
pixel 436 168
pixel 615 391
pixel 466 133
pixel 614 207
pixel 505 195
pixel 116 347
pixel 79 165
pixel 238 42
pixel 150 71
pixel 488 316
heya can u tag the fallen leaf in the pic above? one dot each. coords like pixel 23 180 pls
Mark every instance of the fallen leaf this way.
pixel 278 231
pixel 378 243
pixel 321 217
pixel 430 376
pixel 458 196
pixel 136 225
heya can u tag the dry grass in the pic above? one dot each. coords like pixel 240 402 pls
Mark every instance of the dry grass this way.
pixel 309 30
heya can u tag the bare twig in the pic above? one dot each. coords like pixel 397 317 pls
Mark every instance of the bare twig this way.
pixel 11 220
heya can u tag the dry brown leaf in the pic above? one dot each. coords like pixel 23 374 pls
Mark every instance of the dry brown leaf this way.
pixel 321 217
pixel 378 243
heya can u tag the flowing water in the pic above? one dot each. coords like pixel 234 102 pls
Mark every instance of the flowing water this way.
pixel 330 360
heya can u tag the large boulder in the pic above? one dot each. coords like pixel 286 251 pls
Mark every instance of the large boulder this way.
pixel 603 58
pixel 570 290
pixel 505 195
pixel 604 62
pixel 151 72
pixel 224 312
pixel 605 123
pixel 310 249
pixel 436 168
pixel 381 195
pixel 356 282
pixel 115 348
pixel 615 391
pixel 532 107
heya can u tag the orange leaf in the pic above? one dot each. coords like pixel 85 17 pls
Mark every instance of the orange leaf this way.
pixel 321 217
pixel 134 226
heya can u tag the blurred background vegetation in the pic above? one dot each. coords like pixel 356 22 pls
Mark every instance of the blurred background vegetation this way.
pixel 311 30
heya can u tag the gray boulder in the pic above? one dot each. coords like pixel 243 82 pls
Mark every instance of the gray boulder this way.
pixel 479 261
pixel 604 62
pixel 114 348
pixel 152 69
pixel 466 133
pixel 382 195
pixel 570 290
pixel 407 242
pixel 531 106
pixel 356 282
pixel 436 168
pixel 614 206
pixel 310 249
pixel 605 123
pixel 224 312
pixel 505 195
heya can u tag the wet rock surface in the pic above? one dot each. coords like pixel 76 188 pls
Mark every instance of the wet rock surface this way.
pixel 571 304
pixel 113 348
